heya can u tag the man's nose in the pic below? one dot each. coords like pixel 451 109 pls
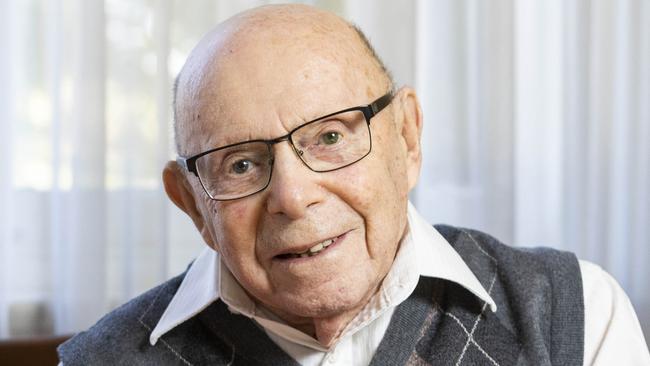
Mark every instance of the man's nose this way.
pixel 294 188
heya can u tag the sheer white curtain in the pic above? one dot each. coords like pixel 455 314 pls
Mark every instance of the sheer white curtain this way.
pixel 537 123
pixel 537 126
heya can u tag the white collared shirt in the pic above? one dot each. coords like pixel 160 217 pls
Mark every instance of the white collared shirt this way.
pixel 612 331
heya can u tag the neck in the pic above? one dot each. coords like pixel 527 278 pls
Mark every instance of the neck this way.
pixel 326 330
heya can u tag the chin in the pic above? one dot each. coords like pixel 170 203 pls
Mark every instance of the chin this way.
pixel 329 302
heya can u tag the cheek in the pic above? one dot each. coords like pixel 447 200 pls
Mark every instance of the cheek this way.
pixel 239 213
pixel 376 189
pixel 391 149
pixel 233 224
pixel 392 197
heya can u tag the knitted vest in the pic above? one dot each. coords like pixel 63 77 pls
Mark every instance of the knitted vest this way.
pixel 540 320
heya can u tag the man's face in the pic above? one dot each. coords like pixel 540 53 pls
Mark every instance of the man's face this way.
pixel 258 92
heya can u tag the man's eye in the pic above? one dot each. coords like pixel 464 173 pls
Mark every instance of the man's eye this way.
pixel 241 166
pixel 330 138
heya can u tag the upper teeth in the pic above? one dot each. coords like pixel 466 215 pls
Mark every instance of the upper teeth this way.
pixel 316 248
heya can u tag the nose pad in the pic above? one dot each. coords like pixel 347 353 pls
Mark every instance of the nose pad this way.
pixel 293 187
pixel 295 148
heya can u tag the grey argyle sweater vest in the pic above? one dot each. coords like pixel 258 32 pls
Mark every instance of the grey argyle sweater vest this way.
pixel 539 320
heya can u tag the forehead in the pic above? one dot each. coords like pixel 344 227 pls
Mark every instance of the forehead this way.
pixel 263 86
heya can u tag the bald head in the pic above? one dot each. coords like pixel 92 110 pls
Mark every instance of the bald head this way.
pixel 256 52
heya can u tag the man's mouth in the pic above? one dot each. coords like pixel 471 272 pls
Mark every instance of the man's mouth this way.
pixel 313 250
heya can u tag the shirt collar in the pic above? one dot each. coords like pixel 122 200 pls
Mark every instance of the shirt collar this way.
pixel 436 258
pixel 208 279
pixel 199 288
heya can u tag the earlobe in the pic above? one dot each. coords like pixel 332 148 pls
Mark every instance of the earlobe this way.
pixel 179 192
pixel 176 187
pixel 411 131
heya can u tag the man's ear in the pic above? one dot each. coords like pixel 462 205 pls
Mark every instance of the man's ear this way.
pixel 179 191
pixel 409 121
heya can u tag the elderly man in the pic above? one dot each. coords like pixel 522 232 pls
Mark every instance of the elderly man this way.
pixel 297 156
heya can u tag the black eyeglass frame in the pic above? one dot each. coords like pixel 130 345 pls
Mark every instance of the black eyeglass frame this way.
pixel 369 111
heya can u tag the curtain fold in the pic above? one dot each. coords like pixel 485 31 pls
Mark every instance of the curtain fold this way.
pixel 559 94
pixel 537 130
pixel 6 139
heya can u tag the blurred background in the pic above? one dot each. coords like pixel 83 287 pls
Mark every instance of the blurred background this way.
pixel 537 130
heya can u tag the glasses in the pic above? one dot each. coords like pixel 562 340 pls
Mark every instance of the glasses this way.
pixel 325 144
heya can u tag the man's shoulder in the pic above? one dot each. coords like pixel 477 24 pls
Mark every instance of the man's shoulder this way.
pixel 127 326
pixel 538 291
pixel 471 242
pixel 537 280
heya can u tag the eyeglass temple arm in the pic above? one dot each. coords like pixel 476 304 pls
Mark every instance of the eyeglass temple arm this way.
pixel 181 161
pixel 187 163
pixel 381 103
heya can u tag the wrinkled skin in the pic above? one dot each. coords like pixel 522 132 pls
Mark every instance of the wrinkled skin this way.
pixel 258 75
